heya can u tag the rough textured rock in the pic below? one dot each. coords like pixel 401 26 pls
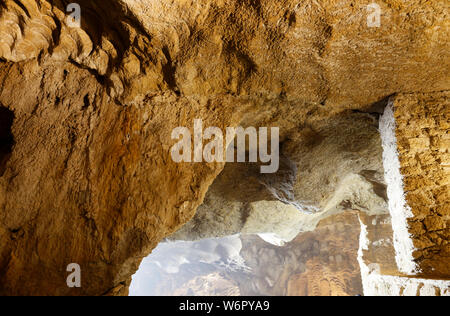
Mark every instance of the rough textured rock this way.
pixel 319 263
pixel 305 190
pixel 86 113
pixel 92 184
pixel 323 262
pixel 322 52
pixel 379 271
pixel 423 124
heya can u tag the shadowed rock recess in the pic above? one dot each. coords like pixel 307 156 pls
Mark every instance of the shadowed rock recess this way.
pixel 86 116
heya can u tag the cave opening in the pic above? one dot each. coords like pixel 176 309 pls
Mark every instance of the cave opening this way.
pixel 282 241
pixel 6 137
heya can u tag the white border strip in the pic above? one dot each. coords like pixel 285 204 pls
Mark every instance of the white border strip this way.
pixel 398 207
pixel 376 284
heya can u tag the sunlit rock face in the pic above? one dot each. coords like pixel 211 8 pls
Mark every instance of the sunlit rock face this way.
pixel 319 263
pixel 323 262
pixel 326 168
pixel 416 141
pixel 85 169
pixel 379 267
pixel 206 267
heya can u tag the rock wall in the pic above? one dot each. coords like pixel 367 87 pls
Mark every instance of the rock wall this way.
pixel 323 52
pixel 305 190
pixel 334 270
pixel 319 263
pixel 423 123
pixel 322 262
pixel 379 271
pixel 88 181
pixel 85 168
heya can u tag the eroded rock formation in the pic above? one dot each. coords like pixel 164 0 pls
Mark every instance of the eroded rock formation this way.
pixel 323 262
pixel 86 116
pixel 305 189
pixel 418 177
pixel 319 263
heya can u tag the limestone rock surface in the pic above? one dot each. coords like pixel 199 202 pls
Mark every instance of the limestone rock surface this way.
pixel 87 112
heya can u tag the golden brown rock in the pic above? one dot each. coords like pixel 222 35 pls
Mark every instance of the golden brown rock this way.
pixel 422 132
pixel 85 168
pixel 335 271
pixel 319 263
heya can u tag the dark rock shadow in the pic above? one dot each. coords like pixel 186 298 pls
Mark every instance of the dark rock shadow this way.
pixel 6 137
